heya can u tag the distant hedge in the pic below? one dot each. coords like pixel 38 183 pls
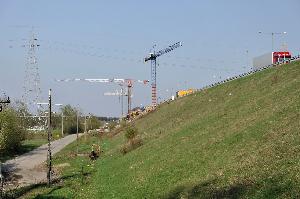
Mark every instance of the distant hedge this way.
pixel 11 131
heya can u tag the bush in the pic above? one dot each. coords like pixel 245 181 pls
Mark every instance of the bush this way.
pixel 131 132
pixel 11 131
pixel 93 133
pixel 123 124
pixel 131 145
pixel 93 122
pixel 70 120
pixel 133 141
pixel 29 135
pixel 56 134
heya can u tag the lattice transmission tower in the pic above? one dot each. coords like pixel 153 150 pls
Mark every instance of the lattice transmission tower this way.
pixel 31 86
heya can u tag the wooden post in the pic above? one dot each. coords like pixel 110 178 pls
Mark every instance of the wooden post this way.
pixel 49 142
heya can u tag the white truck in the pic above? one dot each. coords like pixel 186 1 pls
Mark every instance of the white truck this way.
pixel 270 58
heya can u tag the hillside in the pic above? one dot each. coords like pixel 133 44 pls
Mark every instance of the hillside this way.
pixel 237 140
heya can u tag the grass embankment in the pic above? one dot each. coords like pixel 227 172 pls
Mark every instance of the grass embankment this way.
pixel 237 140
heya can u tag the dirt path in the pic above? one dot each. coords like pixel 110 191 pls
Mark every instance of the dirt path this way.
pixel 28 168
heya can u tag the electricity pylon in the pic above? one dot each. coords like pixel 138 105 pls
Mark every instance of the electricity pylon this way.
pixel 32 90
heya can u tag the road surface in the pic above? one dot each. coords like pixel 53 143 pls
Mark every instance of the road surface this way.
pixel 28 168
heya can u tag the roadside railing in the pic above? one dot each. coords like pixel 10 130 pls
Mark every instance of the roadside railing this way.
pixel 295 58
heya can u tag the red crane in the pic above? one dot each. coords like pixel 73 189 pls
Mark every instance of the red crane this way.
pixel 122 82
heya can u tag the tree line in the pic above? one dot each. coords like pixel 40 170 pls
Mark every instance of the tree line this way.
pixel 16 119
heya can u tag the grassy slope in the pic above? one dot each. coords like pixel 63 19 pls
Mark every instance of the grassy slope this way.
pixel 240 139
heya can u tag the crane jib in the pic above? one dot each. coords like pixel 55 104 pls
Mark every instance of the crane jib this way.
pixel 153 56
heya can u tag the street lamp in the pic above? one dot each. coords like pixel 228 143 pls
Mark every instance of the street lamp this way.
pixel 85 122
pixel 77 128
pixel 62 120
pixel 42 103
pixel 272 34
pixel 247 54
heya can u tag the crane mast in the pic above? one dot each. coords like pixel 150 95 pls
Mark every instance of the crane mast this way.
pixel 152 57
pixel 121 82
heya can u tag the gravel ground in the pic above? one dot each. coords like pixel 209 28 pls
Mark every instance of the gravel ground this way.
pixel 30 168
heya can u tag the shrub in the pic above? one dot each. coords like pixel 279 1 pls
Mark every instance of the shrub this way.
pixel 70 125
pixel 133 141
pixel 56 134
pixel 93 122
pixel 123 124
pixel 93 133
pixel 70 121
pixel 11 131
pixel 131 132
pixel 35 135
pixel 131 145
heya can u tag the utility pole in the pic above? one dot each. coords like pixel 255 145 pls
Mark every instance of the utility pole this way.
pixel 49 131
pixel 122 94
pixel 85 124
pixel 121 82
pixel 129 98
pixel 62 124
pixel 77 129
pixel 89 117
pixel 6 101
pixel 272 35
pixel 62 120
pixel 49 141
pixel 247 53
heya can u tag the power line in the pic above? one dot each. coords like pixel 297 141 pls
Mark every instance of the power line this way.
pixel 84 50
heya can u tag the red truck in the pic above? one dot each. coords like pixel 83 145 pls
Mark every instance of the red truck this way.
pixel 271 58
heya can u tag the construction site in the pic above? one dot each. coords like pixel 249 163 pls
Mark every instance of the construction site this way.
pixel 116 100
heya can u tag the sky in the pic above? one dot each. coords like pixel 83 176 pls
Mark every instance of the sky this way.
pixel 109 39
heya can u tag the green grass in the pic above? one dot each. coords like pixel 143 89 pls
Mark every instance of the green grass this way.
pixel 237 140
pixel 76 173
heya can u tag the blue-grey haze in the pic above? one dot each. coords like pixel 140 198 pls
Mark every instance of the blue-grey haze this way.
pixel 109 39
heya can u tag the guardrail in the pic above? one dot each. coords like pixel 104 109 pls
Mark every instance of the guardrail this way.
pixel 295 58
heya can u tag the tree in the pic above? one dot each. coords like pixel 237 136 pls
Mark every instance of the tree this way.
pixel 70 120
pixel 12 131
pixel 22 112
pixel 93 122
pixel 56 120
